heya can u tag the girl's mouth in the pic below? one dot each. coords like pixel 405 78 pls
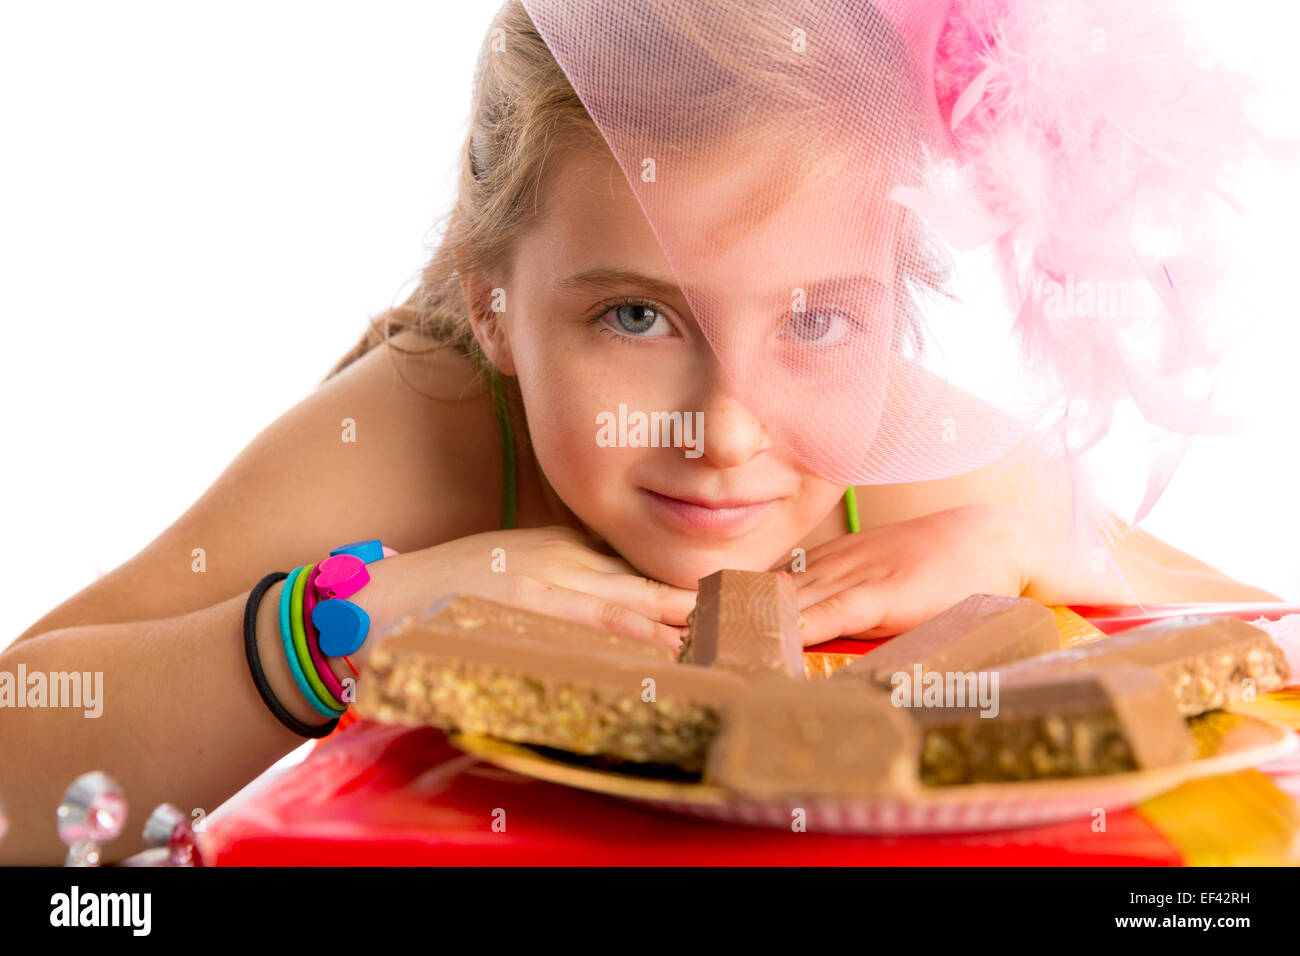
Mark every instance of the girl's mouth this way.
pixel 723 517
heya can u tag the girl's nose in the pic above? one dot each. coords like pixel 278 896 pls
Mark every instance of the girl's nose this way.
pixel 732 435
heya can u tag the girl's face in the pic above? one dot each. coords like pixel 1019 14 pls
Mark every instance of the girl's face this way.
pixel 601 339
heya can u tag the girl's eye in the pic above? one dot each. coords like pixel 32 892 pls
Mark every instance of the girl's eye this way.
pixel 635 320
pixel 822 329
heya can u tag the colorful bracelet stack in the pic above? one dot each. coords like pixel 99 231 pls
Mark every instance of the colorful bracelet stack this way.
pixel 316 622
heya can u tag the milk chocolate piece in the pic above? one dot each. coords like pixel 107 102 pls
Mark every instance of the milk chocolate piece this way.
pixel 981 632
pixel 746 621
pixel 511 674
pixel 1062 725
pixel 814 739
pixel 470 612
pixel 1206 661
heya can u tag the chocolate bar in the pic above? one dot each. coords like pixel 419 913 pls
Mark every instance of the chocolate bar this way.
pixel 746 621
pixel 814 739
pixel 470 612
pixel 1061 725
pixel 981 632
pixel 481 668
pixel 1206 661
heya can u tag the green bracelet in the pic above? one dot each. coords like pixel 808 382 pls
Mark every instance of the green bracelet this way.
pixel 300 643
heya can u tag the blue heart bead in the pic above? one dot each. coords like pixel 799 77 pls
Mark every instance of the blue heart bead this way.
pixel 368 551
pixel 342 625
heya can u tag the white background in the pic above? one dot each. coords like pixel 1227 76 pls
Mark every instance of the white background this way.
pixel 201 204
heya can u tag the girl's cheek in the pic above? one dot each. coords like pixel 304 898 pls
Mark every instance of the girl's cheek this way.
pixel 564 436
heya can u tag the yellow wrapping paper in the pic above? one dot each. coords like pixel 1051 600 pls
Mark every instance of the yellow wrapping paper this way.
pixel 1240 819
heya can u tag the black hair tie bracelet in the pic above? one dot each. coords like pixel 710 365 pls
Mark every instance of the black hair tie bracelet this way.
pixel 255 664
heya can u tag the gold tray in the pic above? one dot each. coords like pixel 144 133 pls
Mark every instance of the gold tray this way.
pixel 1228 742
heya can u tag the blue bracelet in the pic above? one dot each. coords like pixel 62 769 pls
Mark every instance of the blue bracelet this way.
pixel 286 636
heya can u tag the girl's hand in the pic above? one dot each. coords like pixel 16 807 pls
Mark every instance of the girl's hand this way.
pixel 882 582
pixel 554 571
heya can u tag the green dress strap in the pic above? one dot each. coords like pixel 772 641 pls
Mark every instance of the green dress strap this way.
pixel 508 452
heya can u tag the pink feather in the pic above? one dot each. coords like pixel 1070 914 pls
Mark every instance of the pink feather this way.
pixel 1088 127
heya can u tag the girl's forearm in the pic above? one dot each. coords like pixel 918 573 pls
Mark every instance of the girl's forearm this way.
pixel 180 719
pixel 1154 571
pixel 180 722
pixel 1161 574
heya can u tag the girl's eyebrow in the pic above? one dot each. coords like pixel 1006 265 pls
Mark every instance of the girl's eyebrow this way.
pixel 606 278
pixel 835 283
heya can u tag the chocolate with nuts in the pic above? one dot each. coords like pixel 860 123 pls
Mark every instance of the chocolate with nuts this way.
pixel 1062 725
pixel 814 739
pixel 1206 661
pixel 522 677
pixel 982 632
pixel 481 667
pixel 746 621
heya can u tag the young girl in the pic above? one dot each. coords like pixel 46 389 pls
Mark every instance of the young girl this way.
pixel 548 303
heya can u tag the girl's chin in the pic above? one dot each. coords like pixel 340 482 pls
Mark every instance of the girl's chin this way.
pixel 684 569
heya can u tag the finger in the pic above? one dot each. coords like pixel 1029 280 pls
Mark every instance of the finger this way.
pixel 836 545
pixel 814 591
pixel 585 550
pixel 593 611
pixel 830 566
pixel 604 563
pixel 828 582
pixel 848 613
pixel 655 599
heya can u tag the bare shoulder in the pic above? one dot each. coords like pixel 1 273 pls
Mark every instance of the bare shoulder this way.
pixel 401 445
pixel 1018 478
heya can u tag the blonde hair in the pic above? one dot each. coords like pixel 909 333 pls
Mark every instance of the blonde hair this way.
pixel 523 108
pixel 524 115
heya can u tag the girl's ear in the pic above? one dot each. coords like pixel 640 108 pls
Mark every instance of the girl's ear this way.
pixel 486 305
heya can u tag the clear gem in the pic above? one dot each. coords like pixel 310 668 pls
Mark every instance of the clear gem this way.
pixel 158 828
pixel 93 808
pixel 169 827
pixel 83 852
pixel 184 848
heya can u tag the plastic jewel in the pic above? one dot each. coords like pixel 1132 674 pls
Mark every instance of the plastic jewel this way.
pixel 92 813
pixel 168 828
pixel 84 852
